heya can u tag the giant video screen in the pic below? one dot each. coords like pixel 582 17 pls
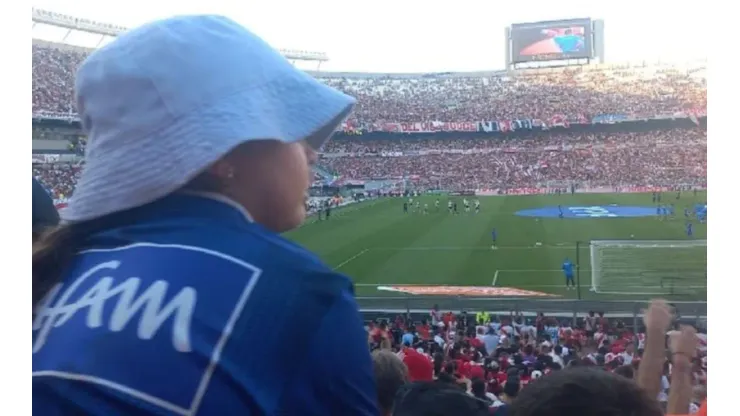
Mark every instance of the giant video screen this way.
pixel 547 41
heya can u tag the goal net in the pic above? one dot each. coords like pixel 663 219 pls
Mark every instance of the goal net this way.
pixel 649 267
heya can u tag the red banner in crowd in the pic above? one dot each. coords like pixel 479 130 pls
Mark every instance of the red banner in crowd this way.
pixel 502 126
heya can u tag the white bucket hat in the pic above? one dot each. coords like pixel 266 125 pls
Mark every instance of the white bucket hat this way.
pixel 166 100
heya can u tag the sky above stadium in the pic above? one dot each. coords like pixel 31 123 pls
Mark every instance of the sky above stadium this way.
pixel 415 35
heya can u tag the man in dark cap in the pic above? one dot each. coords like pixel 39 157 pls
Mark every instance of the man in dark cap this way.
pixel 45 215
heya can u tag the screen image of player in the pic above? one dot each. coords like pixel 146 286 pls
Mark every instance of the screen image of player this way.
pixel 551 41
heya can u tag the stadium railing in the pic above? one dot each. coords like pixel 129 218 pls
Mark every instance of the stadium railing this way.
pixel 689 312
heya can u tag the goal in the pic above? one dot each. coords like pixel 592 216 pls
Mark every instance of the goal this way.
pixel 659 267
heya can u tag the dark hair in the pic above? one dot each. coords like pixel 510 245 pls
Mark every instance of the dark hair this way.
pixel 437 399
pixel 438 362
pixel 512 386
pixel 445 377
pixel 584 391
pixel 625 371
pixel 478 388
pixel 52 253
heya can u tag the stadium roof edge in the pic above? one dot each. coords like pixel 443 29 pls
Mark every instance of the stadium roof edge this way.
pixel 75 23
pixel 91 26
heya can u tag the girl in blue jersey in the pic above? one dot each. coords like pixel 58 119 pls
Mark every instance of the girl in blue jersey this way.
pixel 169 290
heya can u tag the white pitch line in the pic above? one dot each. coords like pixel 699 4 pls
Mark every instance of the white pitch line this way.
pixel 474 248
pixel 495 277
pixel 449 284
pixel 344 263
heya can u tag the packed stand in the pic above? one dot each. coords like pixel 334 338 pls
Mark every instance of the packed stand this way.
pixel 53 79
pixel 589 91
pixel 644 91
pixel 663 157
pixel 58 178
pixel 495 360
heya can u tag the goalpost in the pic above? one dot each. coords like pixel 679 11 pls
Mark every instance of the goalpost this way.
pixel 648 267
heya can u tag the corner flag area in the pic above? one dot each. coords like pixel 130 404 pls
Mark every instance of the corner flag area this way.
pixel 621 245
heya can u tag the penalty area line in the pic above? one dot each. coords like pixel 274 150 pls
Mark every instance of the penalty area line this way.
pixel 450 284
pixel 344 263
pixel 495 277
pixel 477 248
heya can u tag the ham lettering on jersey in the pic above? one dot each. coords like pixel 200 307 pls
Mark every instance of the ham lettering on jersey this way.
pixel 127 317
pixel 128 303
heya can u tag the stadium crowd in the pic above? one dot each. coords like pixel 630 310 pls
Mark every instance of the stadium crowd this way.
pixel 497 359
pixel 676 156
pixel 58 178
pixel 653 158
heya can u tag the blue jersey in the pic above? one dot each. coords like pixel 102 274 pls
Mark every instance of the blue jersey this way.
pixel 157 318
pixel 689 229
pixel 493 234
pixel 568 269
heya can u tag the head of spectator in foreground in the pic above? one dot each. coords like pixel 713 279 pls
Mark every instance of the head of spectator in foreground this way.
pixel 390 375
pixel 627 371
pixel 437 399
pixel 44 213
pixel 201 139
pixel 584 391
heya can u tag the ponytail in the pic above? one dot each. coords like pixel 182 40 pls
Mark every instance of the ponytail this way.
pixel 54 251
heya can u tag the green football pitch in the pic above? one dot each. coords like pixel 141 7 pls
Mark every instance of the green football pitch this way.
pixel 379 246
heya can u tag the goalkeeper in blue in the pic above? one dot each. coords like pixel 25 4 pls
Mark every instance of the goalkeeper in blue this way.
pixel 570 281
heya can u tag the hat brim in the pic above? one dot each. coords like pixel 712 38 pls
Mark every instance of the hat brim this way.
pixel 292 107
